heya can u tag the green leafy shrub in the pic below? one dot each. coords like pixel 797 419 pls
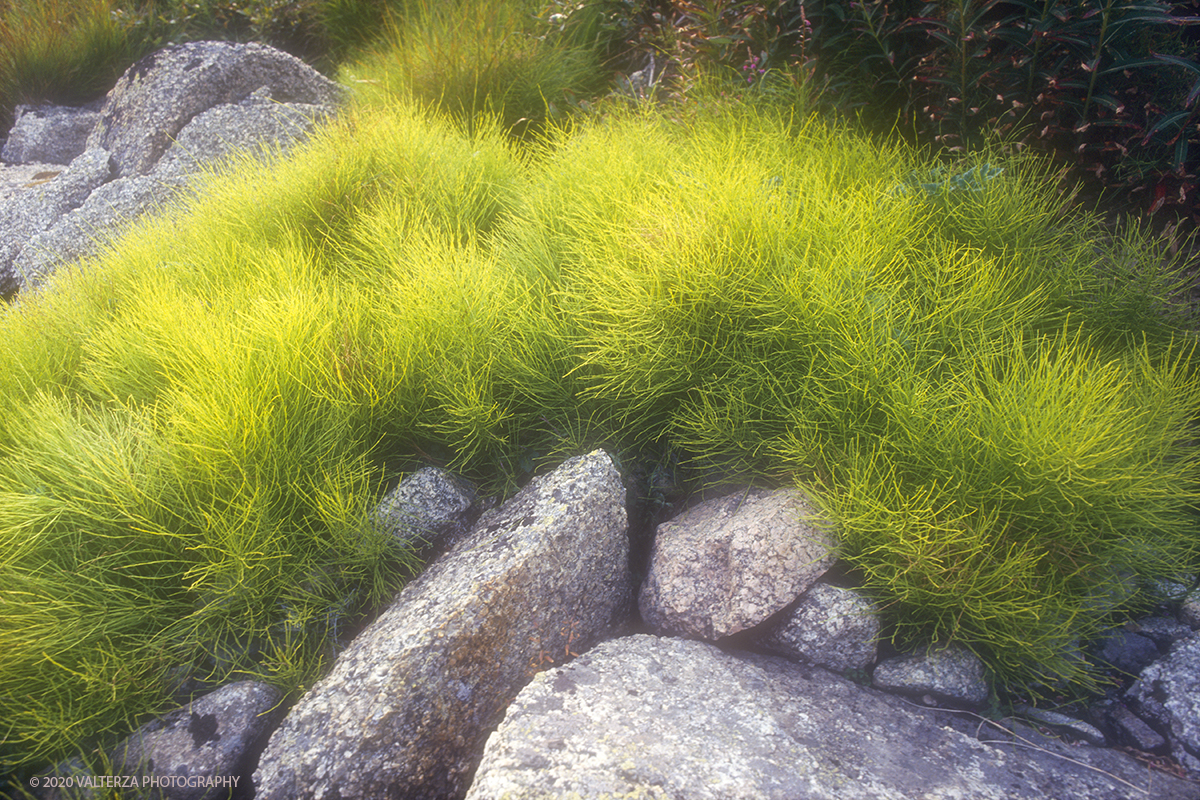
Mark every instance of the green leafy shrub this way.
pixel 1110 86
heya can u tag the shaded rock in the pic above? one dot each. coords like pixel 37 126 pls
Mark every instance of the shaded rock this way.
pixel 36 210
pixel 159 95
pixel 830 626
pixel 408 705
pixel 49 134
pixel 1167 695
pixel 1131 731
pixel 197 752
pixel 1163 631
pixel 429 506
pixel 1126 651
pixel 1070 726
pixel 950 673
pixel 1189 612
pixel 727 564
pixel 650 717
pixel 1177 591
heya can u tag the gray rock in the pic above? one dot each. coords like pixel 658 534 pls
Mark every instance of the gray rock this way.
pixel 173 115
pixel 1131 731
pixel 950 673
pixel 1164 591
pixel 830 626
pixel 1127 651
pixel 49 134
pixel 159 95
pixel 427 507
pixel 21 179
pixel 728 564
pixel 1075 728
pixel 197 752
pixel 1170 690
pixel 1163 631
pixel 36 210
pixel 408 705
pixel 1189 612
pixel 257 126
pixel 647 717
pixel 107 213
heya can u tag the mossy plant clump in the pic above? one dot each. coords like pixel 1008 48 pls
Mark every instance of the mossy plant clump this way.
pixel 199 422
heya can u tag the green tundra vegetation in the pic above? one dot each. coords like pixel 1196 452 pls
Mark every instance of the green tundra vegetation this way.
pixel 989 393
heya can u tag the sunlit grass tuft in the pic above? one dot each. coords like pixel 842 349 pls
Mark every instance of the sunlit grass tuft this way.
pixel 475 59
pixel 202 421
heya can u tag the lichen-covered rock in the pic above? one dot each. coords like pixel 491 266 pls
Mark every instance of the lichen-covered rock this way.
pixel 48 134
pixel 830 626
pixel 728 564
pixel 36 210
pixel 256 125
pixel 950 673
pixel 159 95
pixel 408 705
pixel 1168 691
pixel 428 506
pixel 649 717
pixel 197 752
pixel 82 232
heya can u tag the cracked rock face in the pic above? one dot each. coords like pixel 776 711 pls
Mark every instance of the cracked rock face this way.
pixel 652 717
pixel 407 706
pixel 728 564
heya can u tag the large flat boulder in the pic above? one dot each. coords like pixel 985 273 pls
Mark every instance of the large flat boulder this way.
pixel 406 709
pixel 651 717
